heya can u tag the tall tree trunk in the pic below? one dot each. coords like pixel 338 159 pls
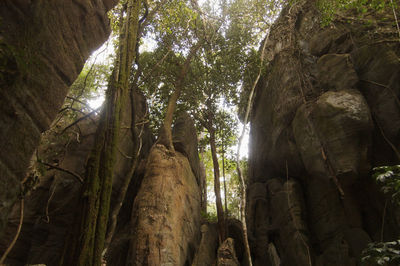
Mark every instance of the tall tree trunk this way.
pixel 86 243
pixel 223 176
pixel 165 136
pixel 217 188
pixel 203 184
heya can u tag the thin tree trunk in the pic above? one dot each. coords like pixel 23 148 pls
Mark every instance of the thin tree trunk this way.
pixel 85 246
pixel 21 219
pixel 203 183
pixel 223 175
pixel 217 188
pixel 165 136
pixel 124 188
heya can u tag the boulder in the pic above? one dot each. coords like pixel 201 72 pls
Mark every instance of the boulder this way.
pixel 206 254
pixel 334 134
pixel 166 213
pixel 184 138
pixel 226 254
pixel 336 71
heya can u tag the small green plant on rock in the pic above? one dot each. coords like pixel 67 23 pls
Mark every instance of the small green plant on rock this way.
pixel 385 253
pixel 329 8
pixel 382 253
pixel 388 177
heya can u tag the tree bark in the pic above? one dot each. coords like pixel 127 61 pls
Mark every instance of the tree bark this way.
pixel 217 188
pixel 223 176
pixel 165 136
pixel 86 243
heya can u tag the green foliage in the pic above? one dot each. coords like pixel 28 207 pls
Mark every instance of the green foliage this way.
pixel 90 84
pixel 384 253
pixel 329 8
pixel 210 217
pixel 388 177
pixel 232 183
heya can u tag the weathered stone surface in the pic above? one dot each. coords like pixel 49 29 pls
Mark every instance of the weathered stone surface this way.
pixel 271 132
pixel 287 216
pixel 379 73
pixel 273 256
pixel 50 208
pixel 336 71
pixel 258 209
pixel 326 111
pixel 43 46
pixel 235 231
pixel 206 254
pixel 166 214
pixel 330 39
pixel 185 141
pixel 226 254
pixel 335 130
pixel 129 145
pixel 279 215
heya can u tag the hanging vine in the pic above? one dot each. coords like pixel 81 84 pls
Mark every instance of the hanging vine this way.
pixel 86 243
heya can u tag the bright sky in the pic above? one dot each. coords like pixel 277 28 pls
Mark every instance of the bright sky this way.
pixel 244 149
pixel 96 102
pixel 104 55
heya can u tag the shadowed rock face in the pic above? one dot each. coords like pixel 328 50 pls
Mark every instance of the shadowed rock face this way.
pixel 43 46
pixel 206 254
pixel 185 141
pixel 326 111
pixel 50 207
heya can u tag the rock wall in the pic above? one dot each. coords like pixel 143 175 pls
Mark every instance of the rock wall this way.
pixel 50 207
pixel 206 253
pixel 326 111
pixel 165 215
pixel 43 46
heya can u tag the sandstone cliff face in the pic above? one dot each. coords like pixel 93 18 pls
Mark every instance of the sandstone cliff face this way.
pixel 165 225
pixel 43 46
pixel 166 214
pixel 206 253
pixel 162 223
pixel 326 112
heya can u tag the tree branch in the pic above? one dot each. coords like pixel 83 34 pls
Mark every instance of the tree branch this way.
pixel 78 177
pixel 80 119
pixel 79 101
pixel 21 218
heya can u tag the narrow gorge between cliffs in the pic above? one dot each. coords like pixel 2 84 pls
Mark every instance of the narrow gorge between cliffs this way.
pixel 155 176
